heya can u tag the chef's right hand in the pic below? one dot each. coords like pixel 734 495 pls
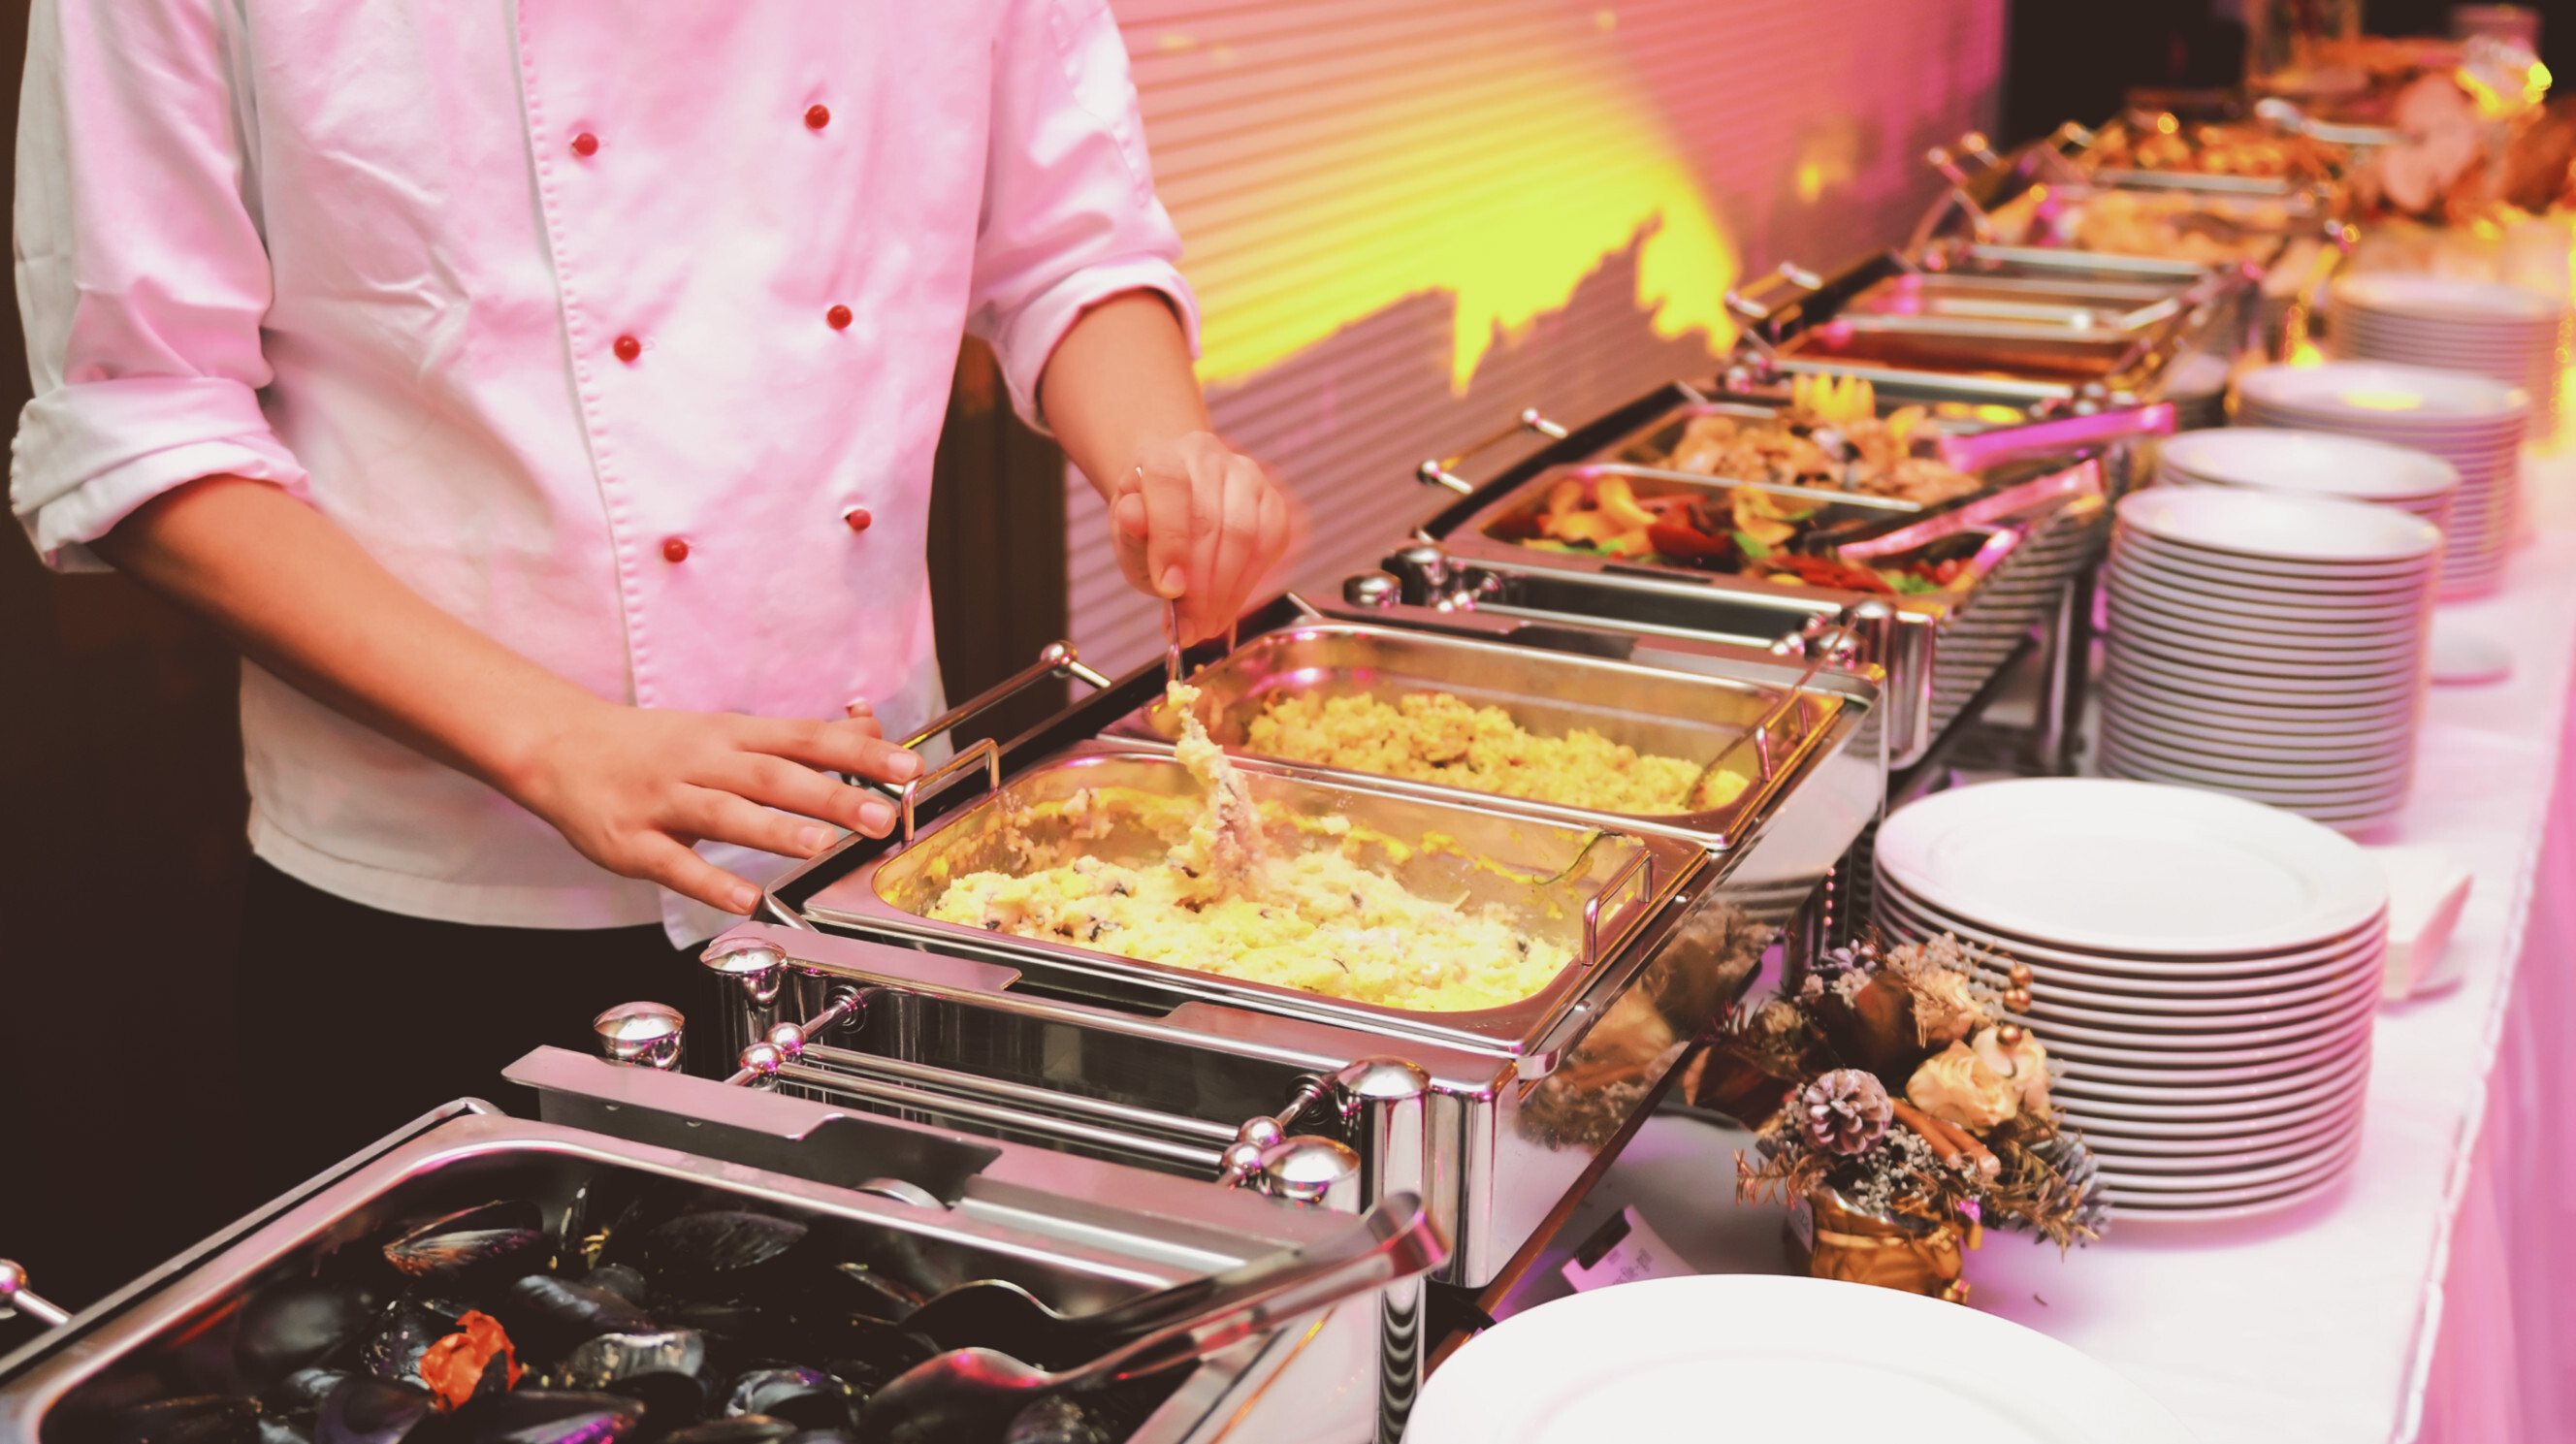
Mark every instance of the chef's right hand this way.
pixel 634 787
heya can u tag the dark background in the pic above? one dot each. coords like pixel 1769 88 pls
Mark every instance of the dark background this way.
pixel 121 802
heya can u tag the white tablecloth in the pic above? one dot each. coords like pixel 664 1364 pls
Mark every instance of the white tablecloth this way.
pixel 2434 1296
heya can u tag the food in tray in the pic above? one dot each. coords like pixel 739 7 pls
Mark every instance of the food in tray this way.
pixel 1740 531
pixel 1435 737
pixel 644 1307
pixel 1831 438
pixel 2197 229
pixel 1246 891
pixel 2162 142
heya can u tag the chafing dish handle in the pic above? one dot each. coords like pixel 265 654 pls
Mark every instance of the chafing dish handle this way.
pixel 983 751
pixel 1443 470
pixel 17 1298
pixel 1056 659
pixel 1643 862
pixel 2049 438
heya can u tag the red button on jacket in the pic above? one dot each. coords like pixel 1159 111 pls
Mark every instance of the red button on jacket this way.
pixel 628 348
pixel 585 144
pixel 858 518
pixel 838 318
pixel 675 550
pixel 817 117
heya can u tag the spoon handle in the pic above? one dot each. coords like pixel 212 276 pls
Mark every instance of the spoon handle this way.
pixel 1394 1240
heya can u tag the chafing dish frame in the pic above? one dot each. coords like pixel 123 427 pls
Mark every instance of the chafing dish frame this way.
pixel 1099 1231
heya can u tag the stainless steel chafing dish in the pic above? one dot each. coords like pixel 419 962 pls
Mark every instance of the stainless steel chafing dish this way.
pixel 2040 519
pixel 1987 323
pixel 932 1207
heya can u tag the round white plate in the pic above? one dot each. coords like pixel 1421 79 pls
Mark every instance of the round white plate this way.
pixel 2266 577
pixel 2284 767
pixel 2349 1071
pixel 2295 1097
pixel 2379 744
pixel 2177 1123
pixel 2052 1008
pixel 2240 1204
pixel 2196 1047
pixel 2248 1136
pixel 1650 1360
pixel 2174 1184
pixel 2378 787
pixel 2383 396
pixel 2149 1066
pixel 2270 1072
pixel 2228 685
pixel 2448 303
pixel 2464 658
pixel 2133 608
pixel 2397 663
pixel 2274 525
pixel 2165 967
pixel 2198 1159
pixel 2192 596
pixel 2317 461
pixel 2325 714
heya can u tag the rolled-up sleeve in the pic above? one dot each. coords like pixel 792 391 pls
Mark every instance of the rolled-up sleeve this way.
pixel 141 273
pixel 1070 217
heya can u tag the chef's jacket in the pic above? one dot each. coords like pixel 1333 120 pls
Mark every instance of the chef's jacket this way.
pixel 621 331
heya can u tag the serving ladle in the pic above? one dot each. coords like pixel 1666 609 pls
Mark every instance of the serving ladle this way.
pixel 974 1389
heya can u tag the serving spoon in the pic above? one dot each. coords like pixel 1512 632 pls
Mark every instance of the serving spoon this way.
pixel 974 1391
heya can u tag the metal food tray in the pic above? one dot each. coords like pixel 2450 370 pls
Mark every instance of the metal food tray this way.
pixel 2051 474
pixel 1764 725
pixel 1556 878
pixel 934 1208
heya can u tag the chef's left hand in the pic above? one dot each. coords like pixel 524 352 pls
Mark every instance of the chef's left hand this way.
pixel 1197 521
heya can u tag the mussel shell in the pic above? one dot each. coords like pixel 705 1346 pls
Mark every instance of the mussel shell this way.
pixel 364 1409
pixel 717 1257
pixel 623 1280
pixel 603 1360
pixel 546 1318
pixel 189 1419
pixel 492 1240
pixel 390 1348
pixel 865 1353
pixel 282 1431
pixel 298 1397
pixel 807 1398
pixel 535 1416
pixel 1056 1419
pixel 864 1290
pixel 295 1323
pixel 671 1402
pixel 746 1429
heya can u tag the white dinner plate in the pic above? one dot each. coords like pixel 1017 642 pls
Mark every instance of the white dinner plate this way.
pixel 2199 1160
pixel 2328 733
pixel 2217 982
pixel 2398 662
pixel 2176 1184
pixel 2225 685
pixel 2168 1116
pixel 2136 551
pixel 2237 1205
pixel 2051 1008
pixel 2275 751
pixel 2191 1048
pixel 2197 599
pixel 2169 1123
pixel 2284 769
pixel 2166 965
pixel 2180 1100
pixel 2277 526
pixel 2372 789
pixel 2133 608
pixel 2247 1135
pixel 2448 304
pixel 1650 1360
pixel 2268 459
pixel 2384 397
pixel 2326 714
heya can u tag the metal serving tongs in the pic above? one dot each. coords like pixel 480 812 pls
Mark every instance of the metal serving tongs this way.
pixel 974 1389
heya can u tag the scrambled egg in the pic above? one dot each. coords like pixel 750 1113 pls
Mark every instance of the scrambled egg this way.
pixel 1318 921
pixel 1435 737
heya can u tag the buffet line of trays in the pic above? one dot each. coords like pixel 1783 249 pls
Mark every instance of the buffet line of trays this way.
pixel 966 1052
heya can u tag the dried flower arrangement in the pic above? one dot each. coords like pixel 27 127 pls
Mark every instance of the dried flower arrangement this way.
pixel 1896 1085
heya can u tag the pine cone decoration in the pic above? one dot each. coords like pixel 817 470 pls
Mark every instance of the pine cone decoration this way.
pixel 1844 1112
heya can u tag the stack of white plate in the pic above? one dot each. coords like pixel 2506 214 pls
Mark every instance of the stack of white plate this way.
pixel 2474 423
pixel 2260 458
pixel 2482 327
pixel 2266 645
pixel 2204 971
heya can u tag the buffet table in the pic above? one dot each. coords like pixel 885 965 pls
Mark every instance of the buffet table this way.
pixel 2421 1300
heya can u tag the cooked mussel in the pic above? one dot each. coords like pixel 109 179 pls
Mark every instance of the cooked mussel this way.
pixel 189 1419
pixel 719 1256
pixel 603 1360
pixel 864 1290
pixel 485 1243
pixel 363 1409
pixel 807 1398
pixel 391 1346
pixel 298 1397
pixel 295 1323
pixel 746 1429
pixel 549 1318
pixel 535 1416
pixel 619 1279
pixel 1056 1419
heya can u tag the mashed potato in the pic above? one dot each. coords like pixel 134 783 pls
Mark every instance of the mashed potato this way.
pixel 1435 737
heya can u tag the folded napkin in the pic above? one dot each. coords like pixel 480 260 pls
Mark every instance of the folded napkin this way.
pixel 2426 891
